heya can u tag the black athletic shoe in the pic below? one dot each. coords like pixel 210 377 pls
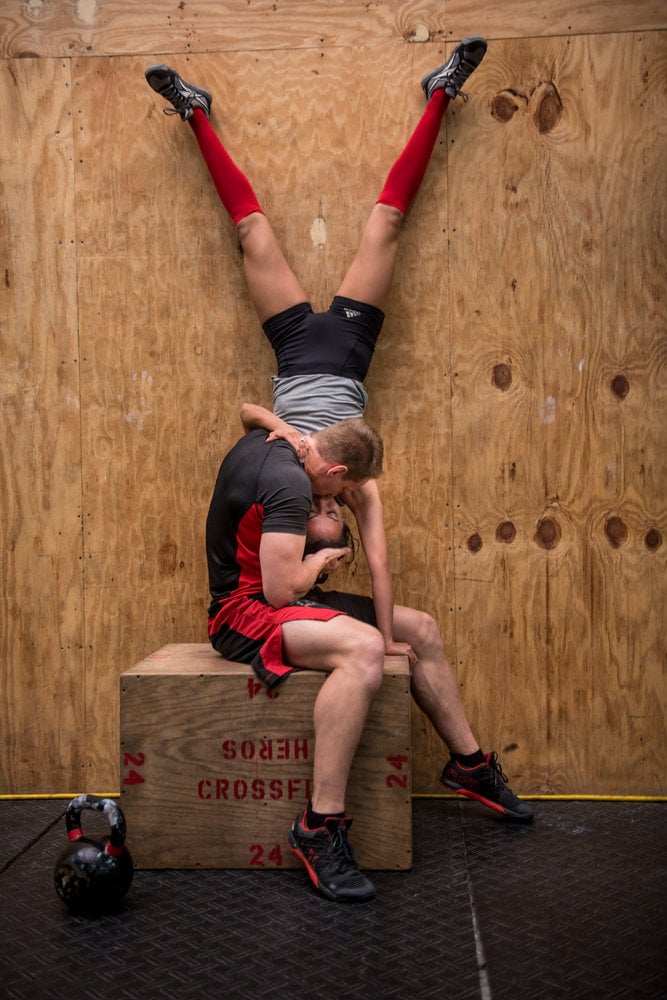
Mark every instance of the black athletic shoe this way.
pixel 329 860
pixel 488 785
pixel 184 97
pixel 451 76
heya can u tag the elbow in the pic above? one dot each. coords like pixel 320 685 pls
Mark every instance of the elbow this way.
pixel 278 597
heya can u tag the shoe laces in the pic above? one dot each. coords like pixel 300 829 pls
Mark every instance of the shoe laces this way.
pixel 459 74
pixel 494 764
pixel 180 101
pixel 340 846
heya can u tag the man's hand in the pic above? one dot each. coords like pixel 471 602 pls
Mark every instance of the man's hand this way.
pixel 328 558
pixel 401 649
pixel 286 575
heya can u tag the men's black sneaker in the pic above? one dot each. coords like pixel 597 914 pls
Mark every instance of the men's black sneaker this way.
pixel 184 97
pixel 488 785
pixel 329 860
pixel 451 76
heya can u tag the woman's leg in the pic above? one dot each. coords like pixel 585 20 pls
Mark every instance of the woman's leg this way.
pixel 272 285
pixel 370 275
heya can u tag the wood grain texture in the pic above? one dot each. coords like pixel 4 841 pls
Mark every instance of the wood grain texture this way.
pixel 214 771
pixel 558 409
pixel 41 597
pixel 518 382
pixel 71 28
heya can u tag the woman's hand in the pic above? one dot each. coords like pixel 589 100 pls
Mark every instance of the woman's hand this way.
pixel 285 432
pixel 400 649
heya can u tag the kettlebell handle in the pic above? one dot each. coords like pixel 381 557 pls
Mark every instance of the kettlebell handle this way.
pixel 112 812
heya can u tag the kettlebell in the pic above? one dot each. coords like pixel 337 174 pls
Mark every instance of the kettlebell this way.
pixel 93 875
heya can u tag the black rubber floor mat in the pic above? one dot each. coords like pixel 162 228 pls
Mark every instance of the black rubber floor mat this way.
pixel 570 907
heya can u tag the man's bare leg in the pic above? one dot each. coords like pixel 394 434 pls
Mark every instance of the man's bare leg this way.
pixel 353 655
pixel 469 771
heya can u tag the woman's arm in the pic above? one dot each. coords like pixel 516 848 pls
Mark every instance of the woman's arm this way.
pixel 254 416
pixel 366 505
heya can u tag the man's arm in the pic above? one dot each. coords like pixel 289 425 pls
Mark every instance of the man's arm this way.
pixel 366 505
pixel 286 573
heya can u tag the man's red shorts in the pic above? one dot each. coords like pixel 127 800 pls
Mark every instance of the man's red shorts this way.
pixel 249 630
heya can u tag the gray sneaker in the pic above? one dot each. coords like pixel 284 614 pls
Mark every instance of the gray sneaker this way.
pixel 451 76
pixel 184 97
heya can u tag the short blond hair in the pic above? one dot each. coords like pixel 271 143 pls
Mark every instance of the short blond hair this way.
pixel 354 444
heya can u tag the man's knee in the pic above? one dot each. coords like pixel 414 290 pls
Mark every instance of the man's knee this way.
pixel 425 634
pixel 373 652
pixel 363 652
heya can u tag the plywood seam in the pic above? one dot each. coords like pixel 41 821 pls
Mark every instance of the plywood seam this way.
pixel 450 409
pixel 82 519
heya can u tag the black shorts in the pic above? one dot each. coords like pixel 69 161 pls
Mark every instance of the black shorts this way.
pixel 354 605
pixel 340 341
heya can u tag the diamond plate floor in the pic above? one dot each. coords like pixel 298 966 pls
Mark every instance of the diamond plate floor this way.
pixel 571 907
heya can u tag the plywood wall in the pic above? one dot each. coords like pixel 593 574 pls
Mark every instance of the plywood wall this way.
pixel 519 380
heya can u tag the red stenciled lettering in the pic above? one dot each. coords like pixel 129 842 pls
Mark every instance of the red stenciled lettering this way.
pixel 254 687
pixel 276 856
pixel 247 749
pixel 133 777
pixel 256 852
pixel 260 788
pixel 276 789
pixel 294 788
pixel 398 761
pixel 272 693
pixel 401 780
pixel 265 748
pixel 258 791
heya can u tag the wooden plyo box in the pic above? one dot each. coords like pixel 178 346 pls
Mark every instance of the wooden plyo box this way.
pixel 214 767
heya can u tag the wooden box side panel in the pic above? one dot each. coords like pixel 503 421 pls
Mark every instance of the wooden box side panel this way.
pixel 215 769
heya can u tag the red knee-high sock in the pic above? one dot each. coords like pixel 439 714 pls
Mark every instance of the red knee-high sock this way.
pixel 408 171
pixel 231 184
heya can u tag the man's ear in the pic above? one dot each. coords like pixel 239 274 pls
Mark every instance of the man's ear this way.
pixel 335 470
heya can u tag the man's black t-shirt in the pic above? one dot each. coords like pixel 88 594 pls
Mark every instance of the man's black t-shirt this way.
pixel 260 488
